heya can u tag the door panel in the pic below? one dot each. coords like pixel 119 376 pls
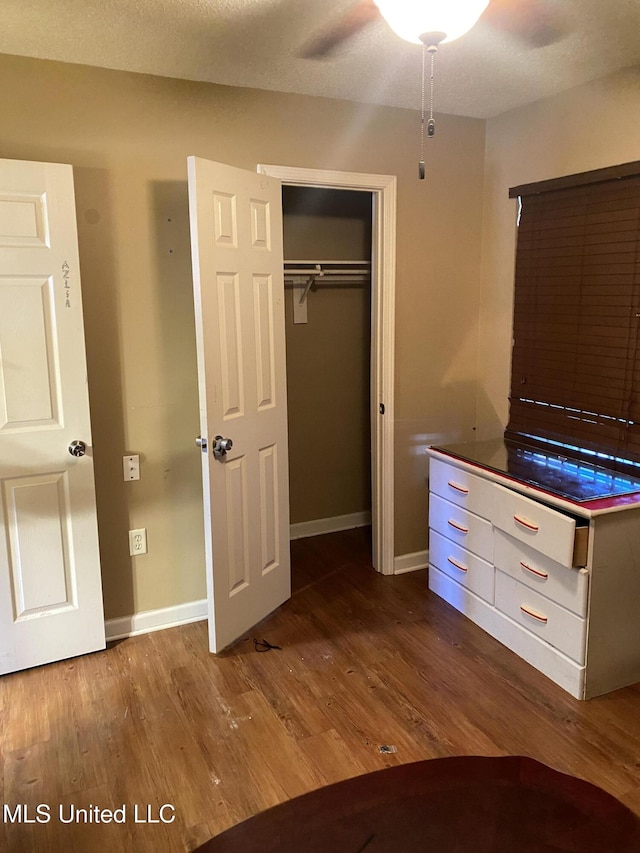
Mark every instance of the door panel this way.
pixel 265 343
pixel 270 517
pixel 50 588
pixel 46 498
pixel 29 396
pixel 236 233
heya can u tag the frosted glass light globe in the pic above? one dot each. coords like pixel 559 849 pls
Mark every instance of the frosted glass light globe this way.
pixel 411 18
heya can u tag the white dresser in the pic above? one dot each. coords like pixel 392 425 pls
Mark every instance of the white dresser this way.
pixel 557 582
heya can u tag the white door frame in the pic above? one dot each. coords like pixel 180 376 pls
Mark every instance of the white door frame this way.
pixel 383 282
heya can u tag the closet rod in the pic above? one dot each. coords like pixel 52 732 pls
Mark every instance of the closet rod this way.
pixel 322 268
pixel 330 282
pixel 307 274
pixel 329 263
pixel 327 273
pixel 312 280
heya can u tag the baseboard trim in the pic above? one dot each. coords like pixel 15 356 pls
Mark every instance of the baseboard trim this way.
pixel 195 611
pixel 155 620
pixel 329 525
pixel 410 562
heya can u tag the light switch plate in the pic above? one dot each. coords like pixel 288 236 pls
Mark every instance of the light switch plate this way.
pixel 131 467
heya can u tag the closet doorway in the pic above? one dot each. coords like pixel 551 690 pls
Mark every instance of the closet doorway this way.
pixel 327 280
pixel 340 229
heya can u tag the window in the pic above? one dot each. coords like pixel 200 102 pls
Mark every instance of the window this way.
pixel 575 369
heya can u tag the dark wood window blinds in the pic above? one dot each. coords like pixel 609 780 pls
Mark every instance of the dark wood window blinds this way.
pixel 576 354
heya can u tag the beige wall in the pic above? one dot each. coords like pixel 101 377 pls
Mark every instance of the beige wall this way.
pixel 128 137
pixel 328 358
pixel 588 127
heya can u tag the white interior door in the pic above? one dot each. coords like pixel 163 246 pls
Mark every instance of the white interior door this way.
pixel 50 588
pixel 236 236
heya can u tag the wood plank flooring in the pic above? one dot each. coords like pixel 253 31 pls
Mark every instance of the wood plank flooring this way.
pixel 365 661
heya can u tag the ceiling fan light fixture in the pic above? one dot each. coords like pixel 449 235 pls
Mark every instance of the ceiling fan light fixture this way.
pixel 412 19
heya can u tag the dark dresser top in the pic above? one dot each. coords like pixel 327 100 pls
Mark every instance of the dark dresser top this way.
pixel 562 476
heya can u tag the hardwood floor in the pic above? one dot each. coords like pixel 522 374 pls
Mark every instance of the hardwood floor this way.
pixel 365 661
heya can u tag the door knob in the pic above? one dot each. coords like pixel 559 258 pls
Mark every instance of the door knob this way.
pixel 77 448
pixel 202 443
pixel 221 446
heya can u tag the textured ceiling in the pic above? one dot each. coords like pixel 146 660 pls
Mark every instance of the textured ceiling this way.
pixel 256 43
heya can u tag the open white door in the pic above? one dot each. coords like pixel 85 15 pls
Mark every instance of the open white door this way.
pixel 50 589
pixel 236 237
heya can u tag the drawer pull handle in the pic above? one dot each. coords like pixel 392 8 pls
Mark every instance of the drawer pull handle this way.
pixel 533 614
pixel 457 565
pixel 528 524
pixel 458 487
pixel 533 571
pixel 458 526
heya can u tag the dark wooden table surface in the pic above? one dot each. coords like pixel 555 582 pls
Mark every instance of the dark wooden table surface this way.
pixel 505 804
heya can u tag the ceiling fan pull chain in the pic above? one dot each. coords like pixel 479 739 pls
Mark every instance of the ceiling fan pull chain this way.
pixel 421 170
pixel 431 124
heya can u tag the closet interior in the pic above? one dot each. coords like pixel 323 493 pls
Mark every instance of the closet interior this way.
pixel 327 251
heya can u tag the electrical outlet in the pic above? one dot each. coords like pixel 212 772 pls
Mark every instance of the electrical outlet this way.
pixel 138 541
pixel 131 467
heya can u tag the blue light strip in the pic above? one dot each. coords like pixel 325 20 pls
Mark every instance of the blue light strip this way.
pixel 596 454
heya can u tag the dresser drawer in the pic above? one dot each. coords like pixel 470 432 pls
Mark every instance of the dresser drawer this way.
pixel 547 530
pixel 568 587
pixel 466 568
pixel 461 487
pixel 561 629
pixel 461 526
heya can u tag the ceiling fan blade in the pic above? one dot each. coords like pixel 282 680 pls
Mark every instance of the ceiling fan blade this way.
pixel 357 18
pixel 537 23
